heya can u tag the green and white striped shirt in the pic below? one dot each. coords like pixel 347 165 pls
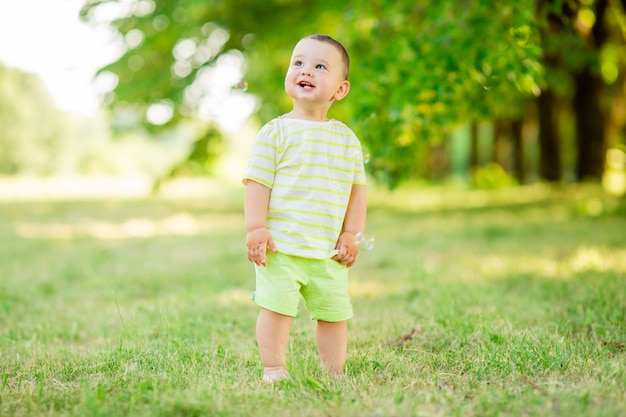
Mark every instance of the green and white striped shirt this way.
pixel 310 167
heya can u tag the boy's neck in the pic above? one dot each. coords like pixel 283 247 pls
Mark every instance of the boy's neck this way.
pixel 314 113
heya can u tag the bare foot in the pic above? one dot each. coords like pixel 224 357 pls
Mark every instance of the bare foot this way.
pixel 274 374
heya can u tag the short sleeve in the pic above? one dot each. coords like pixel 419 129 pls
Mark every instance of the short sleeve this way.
pixel 261 165
pixel 359 165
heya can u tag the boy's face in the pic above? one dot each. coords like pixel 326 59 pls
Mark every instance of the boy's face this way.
pixel 316 73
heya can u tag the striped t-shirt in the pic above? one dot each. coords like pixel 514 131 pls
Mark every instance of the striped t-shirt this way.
pixel 310 167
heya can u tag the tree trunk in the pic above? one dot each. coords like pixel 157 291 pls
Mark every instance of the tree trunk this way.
pixel 517 166
pixel 438 160
pixel 474 161
pixel 501 148
pixel 590 126
pixel 590 116
pixel 547 102
pixel 549 137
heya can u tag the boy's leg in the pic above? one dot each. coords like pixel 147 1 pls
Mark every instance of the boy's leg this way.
pixel 332 344
pixel 272 332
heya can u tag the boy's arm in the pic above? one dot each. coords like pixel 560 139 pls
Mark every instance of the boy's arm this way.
pixel 353 223
pixel 258 239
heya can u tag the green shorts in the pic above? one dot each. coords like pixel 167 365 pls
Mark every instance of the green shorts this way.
pixel 323 283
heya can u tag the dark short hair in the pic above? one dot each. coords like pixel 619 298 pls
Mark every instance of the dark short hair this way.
pixel 342 50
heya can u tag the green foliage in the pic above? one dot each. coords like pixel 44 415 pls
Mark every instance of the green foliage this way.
pixel 151 70
pixel 564 28
pixel 492 176
pixel 418 68
pixel 199 161
pixel 471 304
pixel 32 131
pixel 173 48
pixel 424 68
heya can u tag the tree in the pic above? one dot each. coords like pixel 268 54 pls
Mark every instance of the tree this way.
pixel 173 52
pixel 32 130
pixel 419 69
pixel 575 35
pixel 427 67
pixel 591 115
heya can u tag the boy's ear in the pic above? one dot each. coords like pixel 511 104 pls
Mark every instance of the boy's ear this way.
pixel 343 90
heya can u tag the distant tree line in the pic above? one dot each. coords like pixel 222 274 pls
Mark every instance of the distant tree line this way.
pixel 31 128
pixel 37 139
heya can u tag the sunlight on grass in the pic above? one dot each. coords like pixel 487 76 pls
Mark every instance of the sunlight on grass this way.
pixel 369 289
pixel 415 198
pixel 179 224
pixel 582 259
pixel 235 296
pixel 96 188
pixel 589 258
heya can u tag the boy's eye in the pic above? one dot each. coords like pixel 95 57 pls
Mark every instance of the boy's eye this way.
pixel 297 63
pixel 320 66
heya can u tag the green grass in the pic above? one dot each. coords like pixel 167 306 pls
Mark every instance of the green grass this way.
pixel 509 303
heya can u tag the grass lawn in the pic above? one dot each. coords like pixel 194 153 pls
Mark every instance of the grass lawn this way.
pixel 509 303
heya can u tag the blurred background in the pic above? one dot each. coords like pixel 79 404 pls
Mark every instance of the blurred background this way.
pixel 129 97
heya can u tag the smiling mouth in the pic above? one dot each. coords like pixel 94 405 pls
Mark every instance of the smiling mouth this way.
pixel 304 84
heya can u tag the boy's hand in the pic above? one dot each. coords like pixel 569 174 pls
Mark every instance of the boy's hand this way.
pixel 257 242
pixel 348 249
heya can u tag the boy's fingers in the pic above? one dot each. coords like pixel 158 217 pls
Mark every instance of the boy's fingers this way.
pixel 256 255
pixel 261 257
pixel 343 256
